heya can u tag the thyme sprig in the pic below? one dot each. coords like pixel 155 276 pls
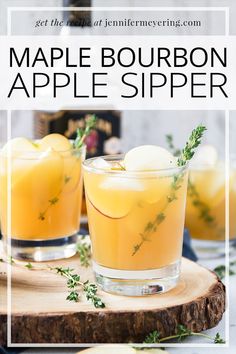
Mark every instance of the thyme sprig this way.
pixel 82 133
pixel 51 202
pixel 84 251
pixel 185 155
pixel 193 142
pixel 182 332
pixel 78 143
pixel 29 265
pixel 74 285
pixel 203 209
pixel 10 260
pixel 221 270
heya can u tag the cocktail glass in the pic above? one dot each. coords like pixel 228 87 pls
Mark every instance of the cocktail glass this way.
pixel 40 202
pixel 205 211
pixel 136 222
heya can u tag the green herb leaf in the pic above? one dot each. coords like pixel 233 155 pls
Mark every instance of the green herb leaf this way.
pixel 75 285
pixel 204 210
pixel 186 154
pixel 29 265
pixel 83 133
pixel 54 200
pixel 218 339
pixel 84 250
pixel 73 282
pixel 73 296
pixel 221 270
pixel 11 260
pixel 152 338
pixel 193 142
pixel 42 216
pixel 67 179
pixel 182 332
pixel 90 290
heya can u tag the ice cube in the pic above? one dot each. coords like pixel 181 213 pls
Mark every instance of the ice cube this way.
pixel 149 158
pixel 206 155
pixel 100 163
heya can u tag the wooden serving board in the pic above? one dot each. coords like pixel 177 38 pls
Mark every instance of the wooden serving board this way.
pixel 41 314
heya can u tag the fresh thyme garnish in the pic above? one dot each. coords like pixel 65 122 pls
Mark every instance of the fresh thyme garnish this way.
pixel 121 166
pixel 153 337
pixel 78 143
pixel 29 265
pixel 84 250
pixel 221 270
pixel 74 285
pixel 67 179
pixel 182 332
pixel 54 200
pixel 218 339
pixel 51 202
pixel 203 208
pixel 83 133
pixel 193 142
pixel 172 148
pixel 10 260
pixel 185 155
pixel 149 229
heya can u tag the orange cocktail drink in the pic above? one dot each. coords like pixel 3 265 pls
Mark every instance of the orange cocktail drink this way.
pixel 136 222
pixel 206 206
pixel 41 185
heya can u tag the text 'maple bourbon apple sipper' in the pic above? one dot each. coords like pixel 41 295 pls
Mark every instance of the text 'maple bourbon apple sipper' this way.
pixel 136 212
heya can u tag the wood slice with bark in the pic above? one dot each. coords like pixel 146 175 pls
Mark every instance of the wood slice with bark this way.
pixel 41 314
